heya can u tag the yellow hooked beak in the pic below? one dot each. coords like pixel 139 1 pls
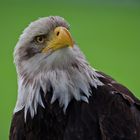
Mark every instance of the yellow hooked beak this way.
pixel 60 38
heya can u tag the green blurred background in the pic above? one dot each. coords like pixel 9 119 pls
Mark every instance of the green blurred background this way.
pixel 108 32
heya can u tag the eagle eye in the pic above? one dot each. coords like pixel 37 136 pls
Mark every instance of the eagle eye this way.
pixel 40 39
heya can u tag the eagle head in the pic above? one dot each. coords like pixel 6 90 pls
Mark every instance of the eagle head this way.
pixel 46 38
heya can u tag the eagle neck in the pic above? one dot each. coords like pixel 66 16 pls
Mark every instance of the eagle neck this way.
pixel 72 80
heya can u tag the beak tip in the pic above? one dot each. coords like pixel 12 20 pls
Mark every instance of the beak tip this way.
pixel 71 43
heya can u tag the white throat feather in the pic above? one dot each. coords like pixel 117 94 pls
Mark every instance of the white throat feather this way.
pixel 65 70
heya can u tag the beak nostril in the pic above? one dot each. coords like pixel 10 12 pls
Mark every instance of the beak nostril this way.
pixel 57 33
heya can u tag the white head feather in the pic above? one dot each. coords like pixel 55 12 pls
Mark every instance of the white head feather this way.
pixel 66 71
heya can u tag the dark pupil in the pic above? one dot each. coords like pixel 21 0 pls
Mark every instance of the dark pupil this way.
pixel 40 39
pixel 57 33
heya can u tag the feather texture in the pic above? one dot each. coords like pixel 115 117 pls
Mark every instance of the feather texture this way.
pixel 112 113
pixel 67 72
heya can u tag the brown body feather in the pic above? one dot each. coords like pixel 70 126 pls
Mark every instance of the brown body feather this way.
pixel 113 113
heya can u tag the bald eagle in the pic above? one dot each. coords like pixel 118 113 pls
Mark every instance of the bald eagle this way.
pixel 61 97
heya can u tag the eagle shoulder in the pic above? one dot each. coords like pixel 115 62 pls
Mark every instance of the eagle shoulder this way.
pixel 119 115
pixel 17 131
